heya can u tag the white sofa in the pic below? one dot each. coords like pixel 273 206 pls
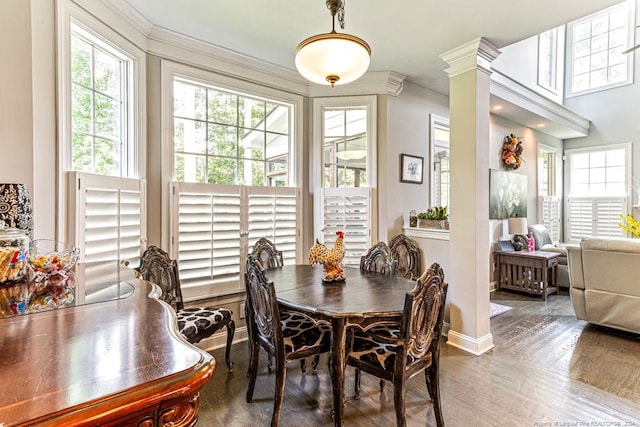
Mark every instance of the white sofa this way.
pixel 605 282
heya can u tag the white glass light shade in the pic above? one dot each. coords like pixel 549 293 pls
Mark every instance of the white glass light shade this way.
pixel 351 154
pixel 324 57
pixel 518 226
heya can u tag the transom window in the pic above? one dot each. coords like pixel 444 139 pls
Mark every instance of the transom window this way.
pixel 596 43
pixel 99 105
pixel 548 59
pixel 222 137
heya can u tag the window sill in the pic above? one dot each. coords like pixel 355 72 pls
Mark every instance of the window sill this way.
pixel 426 233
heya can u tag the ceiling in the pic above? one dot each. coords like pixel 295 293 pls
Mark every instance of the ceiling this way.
pixel 406 37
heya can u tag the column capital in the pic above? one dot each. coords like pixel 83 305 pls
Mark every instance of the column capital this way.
pixel 476 54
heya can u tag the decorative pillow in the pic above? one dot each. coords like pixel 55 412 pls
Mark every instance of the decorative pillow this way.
pixel 540 235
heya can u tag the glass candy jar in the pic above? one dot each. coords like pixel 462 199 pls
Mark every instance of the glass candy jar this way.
pixel 14 252
pixel 15 288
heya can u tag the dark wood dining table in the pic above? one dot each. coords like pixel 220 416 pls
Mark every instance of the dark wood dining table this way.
pixel 363 300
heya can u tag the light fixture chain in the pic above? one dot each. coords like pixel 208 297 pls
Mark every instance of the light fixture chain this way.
pixel 341 4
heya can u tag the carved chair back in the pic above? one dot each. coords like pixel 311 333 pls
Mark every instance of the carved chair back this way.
pixel 265 251
pixel 378 259
pixel 424 315
pixel 156 266
pixel 406 255
pixel 263 310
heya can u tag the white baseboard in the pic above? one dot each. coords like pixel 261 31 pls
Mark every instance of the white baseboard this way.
pixel 219 339
pixel 475 346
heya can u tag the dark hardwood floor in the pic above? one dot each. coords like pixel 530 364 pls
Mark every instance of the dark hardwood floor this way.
pixel 547 369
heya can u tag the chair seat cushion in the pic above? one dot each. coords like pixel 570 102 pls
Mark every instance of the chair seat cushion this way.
pixel 367 349
pixel 197 323
pixel 302 332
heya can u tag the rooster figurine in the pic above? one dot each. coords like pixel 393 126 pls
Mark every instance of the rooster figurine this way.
pixel 331 259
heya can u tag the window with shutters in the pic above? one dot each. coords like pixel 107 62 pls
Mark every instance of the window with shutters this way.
pixel 549 206
pixel 233 167
pixel 101 91
pixel 347 174
pixel 216 225
pixel 599 187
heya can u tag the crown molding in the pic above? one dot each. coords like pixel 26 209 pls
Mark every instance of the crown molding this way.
pixel 178 47
pixel 371 83
pixel 476 54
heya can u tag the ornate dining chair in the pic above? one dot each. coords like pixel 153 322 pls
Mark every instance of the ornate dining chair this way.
pixel 378 259
pixel 406 255
pixel 265 251
pixel 285 340
pixel 194 323
pixel 398 354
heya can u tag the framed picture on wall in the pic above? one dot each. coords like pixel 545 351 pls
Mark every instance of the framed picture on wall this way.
pixel 507 194
pixel 411 168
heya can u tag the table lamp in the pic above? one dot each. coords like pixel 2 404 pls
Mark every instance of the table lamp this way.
pixel 518 228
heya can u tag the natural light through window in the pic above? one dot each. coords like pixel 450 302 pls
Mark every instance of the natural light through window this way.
pixel 99 87
pixel 345 147
pixel 221 137
pixel 595 49
pixel 548 59
pixel 598 173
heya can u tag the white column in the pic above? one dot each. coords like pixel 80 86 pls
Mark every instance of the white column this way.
pixel 469 246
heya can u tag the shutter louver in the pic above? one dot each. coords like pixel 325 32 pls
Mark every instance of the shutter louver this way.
pixel 595 217
pixel 608 213
pixel 208 236
pixel 274 216
pixel 550 214
pixel 109 217
pixel 348 210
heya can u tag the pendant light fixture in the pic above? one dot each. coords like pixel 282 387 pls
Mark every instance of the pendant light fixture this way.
pixel 333 58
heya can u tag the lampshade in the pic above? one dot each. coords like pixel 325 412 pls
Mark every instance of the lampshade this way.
pixel 333 58
pixel 517 226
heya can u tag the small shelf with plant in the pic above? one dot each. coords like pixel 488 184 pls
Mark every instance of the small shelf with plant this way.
pixel 435 217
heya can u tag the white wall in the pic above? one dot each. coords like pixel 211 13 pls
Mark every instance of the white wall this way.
pixel 407 117
pixel 16 108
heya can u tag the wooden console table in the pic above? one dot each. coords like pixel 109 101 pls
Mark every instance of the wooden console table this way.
pixel 530 272
pixel 114 363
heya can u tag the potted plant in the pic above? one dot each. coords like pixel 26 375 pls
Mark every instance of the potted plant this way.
pixel 435 217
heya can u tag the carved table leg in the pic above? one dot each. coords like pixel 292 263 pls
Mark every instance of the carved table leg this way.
pixel 337 368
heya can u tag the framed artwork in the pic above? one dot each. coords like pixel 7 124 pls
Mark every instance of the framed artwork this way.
pixel 411 168
pixel 507 194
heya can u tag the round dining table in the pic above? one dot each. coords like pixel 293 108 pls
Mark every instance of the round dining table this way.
pixel 363 300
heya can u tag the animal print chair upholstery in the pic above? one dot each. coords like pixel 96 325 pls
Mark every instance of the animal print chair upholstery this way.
pixel 406 255
pixel 297 337
pixel 194 323
pixel 398 354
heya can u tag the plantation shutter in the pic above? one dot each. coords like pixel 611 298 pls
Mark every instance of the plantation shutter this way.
pixel 549 214
pixel 214 226
pixel 273 214
pixel 595 217
pixel 347 210
pixel 109 217
pixel 207 239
